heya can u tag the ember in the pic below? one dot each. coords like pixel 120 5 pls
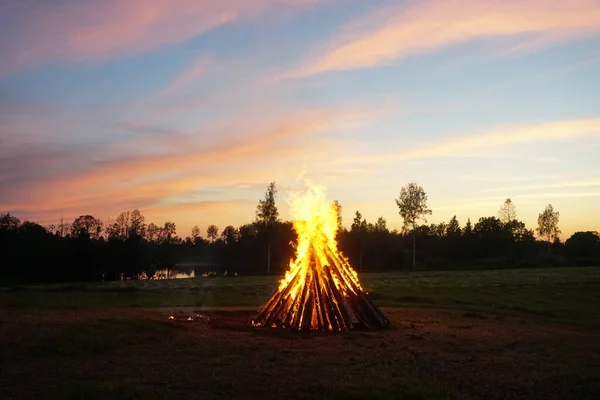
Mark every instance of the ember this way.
pixel 182 316
pixel 320 291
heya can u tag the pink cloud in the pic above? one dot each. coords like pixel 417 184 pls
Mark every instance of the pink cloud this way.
pixel 485 142
pixel 196 70
pixel 401 30
pixel 277 148
pixel 96 30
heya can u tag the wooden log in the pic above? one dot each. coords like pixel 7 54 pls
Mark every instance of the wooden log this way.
pixel 337 301
pixel 321 300
pixel 277 302
pixel 296 313
pixel 318 306
pixel 367 309
pixel 330 298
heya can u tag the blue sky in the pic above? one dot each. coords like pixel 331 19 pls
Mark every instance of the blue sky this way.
pixel 188 109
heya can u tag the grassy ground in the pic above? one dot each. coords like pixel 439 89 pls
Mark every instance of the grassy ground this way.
pixel 563 294
pixel 526 334
pixel 137 353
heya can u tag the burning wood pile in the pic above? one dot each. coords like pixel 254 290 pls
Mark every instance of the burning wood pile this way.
pixel 320 291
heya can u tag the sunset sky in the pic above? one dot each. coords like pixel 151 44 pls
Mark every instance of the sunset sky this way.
pixel 188 109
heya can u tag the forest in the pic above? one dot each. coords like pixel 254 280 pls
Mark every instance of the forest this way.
pixel 88 249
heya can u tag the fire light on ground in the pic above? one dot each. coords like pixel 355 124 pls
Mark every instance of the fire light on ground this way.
pixel 187 316
pixel 320 290
pixel 168 274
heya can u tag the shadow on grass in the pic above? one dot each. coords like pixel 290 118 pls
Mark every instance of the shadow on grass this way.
pixel 100 336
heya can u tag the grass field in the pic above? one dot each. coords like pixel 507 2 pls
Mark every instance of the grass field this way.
pixel 494 334
pixel 565 294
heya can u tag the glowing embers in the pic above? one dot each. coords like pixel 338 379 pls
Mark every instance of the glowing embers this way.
pixel 320 291
pixel 188 316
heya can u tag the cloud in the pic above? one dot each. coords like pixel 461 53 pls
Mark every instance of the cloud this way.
pixel 211 207
pixel 402 30
pixel 559 185
pixel 196 70
pixel 30 142
pixel 136 179
pixel 511 178
pixel 34 32
pixel 466 146
pixel 202 213
pixel 494 202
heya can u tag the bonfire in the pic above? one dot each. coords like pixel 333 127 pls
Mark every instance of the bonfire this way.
pixel 320 290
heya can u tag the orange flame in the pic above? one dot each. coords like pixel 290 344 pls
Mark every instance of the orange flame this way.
pixel 320 290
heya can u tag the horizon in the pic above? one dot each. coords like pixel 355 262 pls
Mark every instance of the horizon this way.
pixel 188 110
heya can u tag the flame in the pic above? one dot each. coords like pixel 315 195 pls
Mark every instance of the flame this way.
pixel 315 222
pixel 320 290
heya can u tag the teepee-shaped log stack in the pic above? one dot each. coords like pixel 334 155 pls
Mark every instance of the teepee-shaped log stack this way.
pixel 320 292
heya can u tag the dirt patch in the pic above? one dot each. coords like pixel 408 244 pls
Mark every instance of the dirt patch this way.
pixel 426 354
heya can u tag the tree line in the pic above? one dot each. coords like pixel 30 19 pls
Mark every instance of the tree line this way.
pixel 90 249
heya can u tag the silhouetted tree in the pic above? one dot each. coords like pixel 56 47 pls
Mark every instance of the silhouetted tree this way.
pixel 518 231
pixel 491 236
pixel 78 251
pixel 32 229
pixel 468 228
pixel 248 238
pixel 113 231
pixel 412 205
pixel 153 233
pixel 9 222
pixel 379 234
pixel 452 244
pixel 86 226
pixel 359 223
pixel 195 234
pixel 358 232
pixel 439 230
pixel 122 224
pixel 127 224
pixel 212 232
pixel 267 216
pixel 507 212
pixel 453 227
pixel 381 225
pixel 137 226
pixel 62 230
pixel 229 235
pixel 584 248
pixel 338 212
pixel 127 248
pixel 168 232
pixel 548 225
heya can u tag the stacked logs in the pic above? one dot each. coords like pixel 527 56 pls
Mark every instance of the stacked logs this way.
pixel 322 297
